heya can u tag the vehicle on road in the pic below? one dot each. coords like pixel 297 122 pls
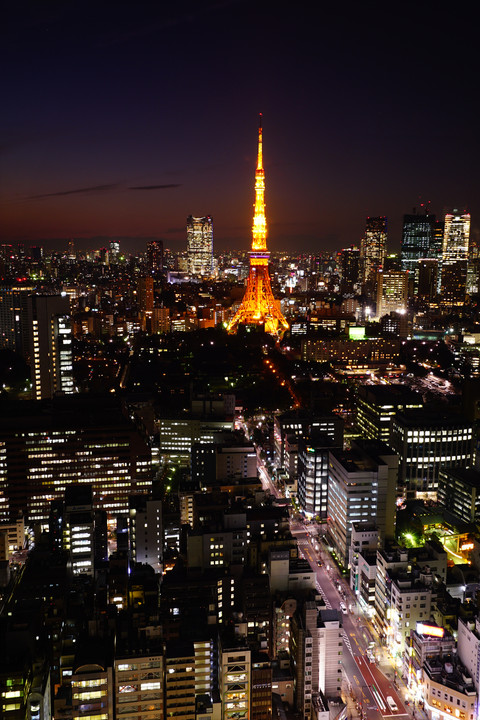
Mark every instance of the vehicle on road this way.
pixel 392 704
pixel 343 608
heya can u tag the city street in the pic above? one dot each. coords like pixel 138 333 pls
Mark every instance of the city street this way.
pixel 367 686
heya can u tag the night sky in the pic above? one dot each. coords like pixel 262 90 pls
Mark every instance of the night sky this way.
pixel 120 119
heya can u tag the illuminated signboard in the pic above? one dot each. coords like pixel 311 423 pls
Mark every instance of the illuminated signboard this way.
pixel 433 630
pixel 355 332
pixel 466 546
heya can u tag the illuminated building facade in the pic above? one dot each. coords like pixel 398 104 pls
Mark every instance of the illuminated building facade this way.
pixel 146 531
pixel 417 240
pixel 200 246
pixel 447 689
pixel 392 292
pixel 139 685
pixel 377 404
pixel 362 486
pixel 410 602
pixel 456 240
pixel 235 676
pixel 258 306
pixel 352 352
pixel 425 443
pixel 13 317
pixel 316 651
pixel 77 442
pixel 469 647
pixel 300 424
pixel 92 692
pixel 372 251
pixel 459 491
pixel 312 492
pixel 50 336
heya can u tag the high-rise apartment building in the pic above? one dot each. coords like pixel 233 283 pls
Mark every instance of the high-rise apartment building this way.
pixel 139 682
pixel 200 245
pixel 146 531
pixel 50 341
pixel 372 251
pixel 456 240
pixel 316 644
pixel 235 674
pixel 392 292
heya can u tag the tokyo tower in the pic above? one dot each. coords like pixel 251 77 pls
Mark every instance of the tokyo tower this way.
pixel 259 307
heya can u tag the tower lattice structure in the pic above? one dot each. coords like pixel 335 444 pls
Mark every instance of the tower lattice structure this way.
pixel 259 307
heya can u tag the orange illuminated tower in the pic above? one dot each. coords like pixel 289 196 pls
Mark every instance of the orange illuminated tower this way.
pixel 259 307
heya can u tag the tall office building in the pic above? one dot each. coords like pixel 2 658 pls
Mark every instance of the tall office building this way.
pixel 426 442
pixel 13 317
pixel 44 448
pixel 362 486
pixel 200 245
pixel 392 292
pixel 50 336
pixel 456 239
pixel 146 301
pixel 313 456
pixel 113 251
pixel 417 240
pixel 377 405
pixel 427 279
pixel 155 257
pixel 372 251
pixel 350 268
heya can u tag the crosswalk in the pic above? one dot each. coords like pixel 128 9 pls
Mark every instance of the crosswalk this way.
pixel 325 599
pixel 347 642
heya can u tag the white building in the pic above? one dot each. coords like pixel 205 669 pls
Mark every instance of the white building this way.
pixel 200 245
pixel 468 646
pixel 362 487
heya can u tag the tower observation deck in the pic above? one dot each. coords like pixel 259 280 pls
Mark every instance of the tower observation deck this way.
pixel 258 306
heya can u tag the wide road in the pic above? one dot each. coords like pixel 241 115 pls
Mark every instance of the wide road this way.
pixel 368 686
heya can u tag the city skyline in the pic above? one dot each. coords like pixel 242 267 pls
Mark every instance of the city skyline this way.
pixel 121 124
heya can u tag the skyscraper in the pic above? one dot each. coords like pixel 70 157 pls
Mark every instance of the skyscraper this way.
pixel 13 317
pixel 373 251
pixel 350 266
pixel 50 335
pixel 392 290
pixel 155 257
pixel 259 307
pixel 200 245
pixel 455 257
pixel 417 240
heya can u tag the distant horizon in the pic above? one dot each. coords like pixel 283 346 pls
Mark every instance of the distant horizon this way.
pixel 121 121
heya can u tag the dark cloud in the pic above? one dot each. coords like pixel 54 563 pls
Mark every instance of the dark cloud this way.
pixel 90 190
pixel 154 187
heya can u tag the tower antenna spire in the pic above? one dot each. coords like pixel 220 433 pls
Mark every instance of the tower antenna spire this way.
pixel 259 307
